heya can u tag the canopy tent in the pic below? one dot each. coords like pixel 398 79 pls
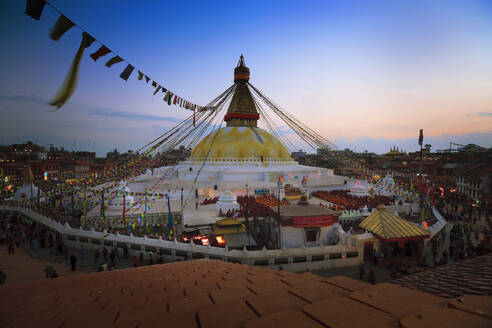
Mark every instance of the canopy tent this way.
pixel 390 227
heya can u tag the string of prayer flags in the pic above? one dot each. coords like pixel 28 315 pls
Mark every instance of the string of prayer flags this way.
pixel 127 72
pixel 70 83
pixel 34 8
pixel 62 25
pixel 102 51
pixel 114 60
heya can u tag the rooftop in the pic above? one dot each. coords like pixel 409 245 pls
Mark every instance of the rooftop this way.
pixel 205 293
pixel 389 226
pixel 304 210
pixel 472 276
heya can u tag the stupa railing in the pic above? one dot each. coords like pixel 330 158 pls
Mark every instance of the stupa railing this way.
pixel 348 252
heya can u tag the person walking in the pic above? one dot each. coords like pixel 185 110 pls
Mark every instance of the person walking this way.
pixel 361 271
pixel 3 277
pixel 11 246
pixel 48 271
pixel 125 251
pixel 73 261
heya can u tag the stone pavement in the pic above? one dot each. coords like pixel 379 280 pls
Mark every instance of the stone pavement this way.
pixel 20 267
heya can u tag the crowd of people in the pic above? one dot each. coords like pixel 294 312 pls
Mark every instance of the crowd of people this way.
pixel 344 201
pixel 208 201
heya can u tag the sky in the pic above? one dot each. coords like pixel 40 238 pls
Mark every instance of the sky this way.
pixel 366 75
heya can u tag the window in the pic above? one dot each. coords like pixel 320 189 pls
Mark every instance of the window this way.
pixel 311 235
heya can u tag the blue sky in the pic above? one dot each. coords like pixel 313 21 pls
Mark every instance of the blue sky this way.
pixel 364 74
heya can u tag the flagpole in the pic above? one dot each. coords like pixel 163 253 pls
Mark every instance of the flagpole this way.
pixel 421 141
pixel 85 206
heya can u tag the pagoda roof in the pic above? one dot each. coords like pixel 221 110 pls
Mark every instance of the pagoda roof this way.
pixel 390 227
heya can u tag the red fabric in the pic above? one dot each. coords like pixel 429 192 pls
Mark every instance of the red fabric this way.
pixel 175 98
pixel 102 51
pixel 389 240
pixel 230 116
pixel 313 221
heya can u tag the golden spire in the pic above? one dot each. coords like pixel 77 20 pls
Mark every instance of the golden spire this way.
pixel 27 176
pixel 242 110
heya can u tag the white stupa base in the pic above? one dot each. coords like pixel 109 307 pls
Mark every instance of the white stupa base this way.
pixel 268 171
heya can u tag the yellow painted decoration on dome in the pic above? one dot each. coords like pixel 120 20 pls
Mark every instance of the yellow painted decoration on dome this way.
pixel 240 143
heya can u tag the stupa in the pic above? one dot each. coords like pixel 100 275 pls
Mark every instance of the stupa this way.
pixel 28 189
pixel 241 150
pixel 227 202
pixel 128 199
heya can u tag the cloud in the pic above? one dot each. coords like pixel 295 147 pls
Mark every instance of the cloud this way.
pixel 382 145
pixel 482 114
pixel 131 116
pixel 101 112
pixel 23 98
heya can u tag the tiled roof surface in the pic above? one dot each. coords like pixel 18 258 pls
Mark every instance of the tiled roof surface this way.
pixel 206 293
pixel 385 224
pixel 472 276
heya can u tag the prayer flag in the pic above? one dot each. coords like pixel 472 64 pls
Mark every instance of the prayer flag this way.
pixel 421 137
pixel 114 60
pixel 70 83
pixel 147 79
pixel 157 89
pixel 127 72
pixel 34 8
pixel 154 84
pixel 102 51
pixel 140 75
pixel 62 25
pixel 175 98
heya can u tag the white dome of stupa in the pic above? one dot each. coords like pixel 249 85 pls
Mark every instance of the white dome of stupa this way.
pixel 359 188
pixel 118 201
pixel 27 191
pixel 227 202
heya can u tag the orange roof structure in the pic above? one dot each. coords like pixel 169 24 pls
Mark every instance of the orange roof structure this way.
pixel 206 293
pixel 390 227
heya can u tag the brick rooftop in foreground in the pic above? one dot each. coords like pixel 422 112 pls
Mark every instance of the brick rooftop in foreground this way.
pixel 205 293
pixel 469 277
